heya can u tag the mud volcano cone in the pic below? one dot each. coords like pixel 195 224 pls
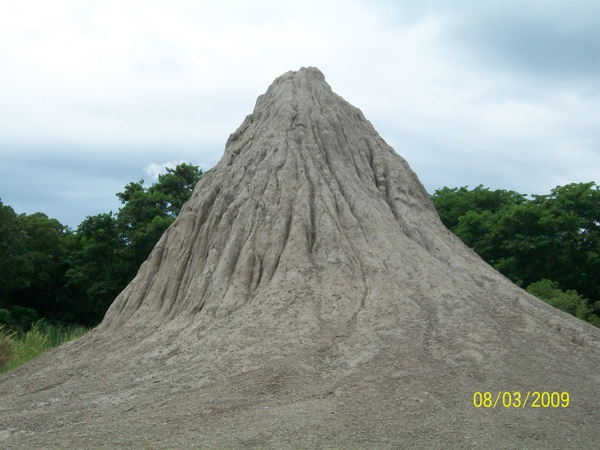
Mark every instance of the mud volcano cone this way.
pixel 309 296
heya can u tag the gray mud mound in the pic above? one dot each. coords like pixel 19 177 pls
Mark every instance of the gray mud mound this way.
pixel 309 296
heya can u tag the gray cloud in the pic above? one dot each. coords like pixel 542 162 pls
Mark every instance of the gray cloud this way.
pixel 537 37
pixel 559 39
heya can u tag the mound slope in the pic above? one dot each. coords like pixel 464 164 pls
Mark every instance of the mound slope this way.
pixel 308 295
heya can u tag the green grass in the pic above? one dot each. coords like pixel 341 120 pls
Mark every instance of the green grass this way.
pixel 17 348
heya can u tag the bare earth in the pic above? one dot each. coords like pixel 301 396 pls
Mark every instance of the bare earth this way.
pixel 309 296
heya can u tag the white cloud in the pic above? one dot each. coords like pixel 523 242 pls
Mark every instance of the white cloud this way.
pixel 153 170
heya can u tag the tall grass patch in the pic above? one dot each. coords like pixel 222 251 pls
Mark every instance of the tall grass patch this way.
pixel 6 346
pixel 18 348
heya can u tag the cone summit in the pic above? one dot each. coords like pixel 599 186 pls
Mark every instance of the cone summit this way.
pixel 306 194
pixel 308 295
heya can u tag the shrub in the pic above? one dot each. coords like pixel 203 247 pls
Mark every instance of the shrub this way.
pixel 568 301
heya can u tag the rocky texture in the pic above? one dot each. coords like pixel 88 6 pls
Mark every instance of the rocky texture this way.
pixel 309 296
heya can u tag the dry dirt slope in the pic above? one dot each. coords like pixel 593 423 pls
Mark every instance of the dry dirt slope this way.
pixel 309 296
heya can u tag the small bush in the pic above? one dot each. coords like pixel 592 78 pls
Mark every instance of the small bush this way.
pixel 568 301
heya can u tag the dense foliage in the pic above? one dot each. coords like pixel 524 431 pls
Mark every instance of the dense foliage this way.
pixel 549 239
pixel 71 277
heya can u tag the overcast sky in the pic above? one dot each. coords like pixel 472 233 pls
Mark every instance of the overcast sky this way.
pixel 95 94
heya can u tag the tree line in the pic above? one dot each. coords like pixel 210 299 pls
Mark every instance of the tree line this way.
pixel 70 276
pixel 548 244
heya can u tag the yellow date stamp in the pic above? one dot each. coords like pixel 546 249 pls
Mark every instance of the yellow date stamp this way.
pixel 516 399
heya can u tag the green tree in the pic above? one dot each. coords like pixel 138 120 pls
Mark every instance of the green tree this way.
pixel 479 230
pixel 32 266
pixel 147 213
pixel 176 186
pixel 555 236
pixel 15 267
pixel 108 249
pixel 46 252
pixel 529 244
pixel 49 271
pixel 577 210
pixel 453 203
pixel 96 274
